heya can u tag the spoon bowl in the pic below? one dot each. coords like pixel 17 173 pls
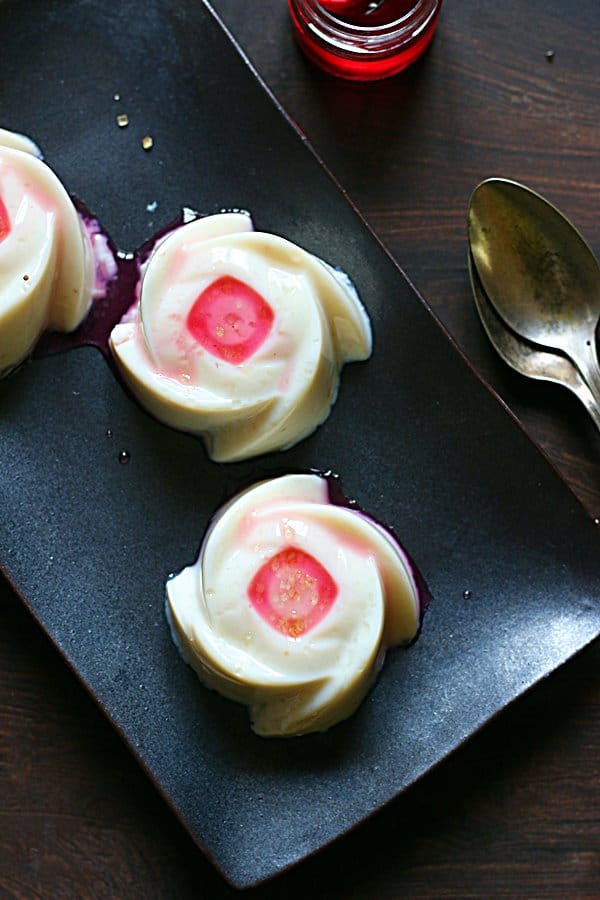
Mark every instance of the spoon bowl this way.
pixel 537 271
pixel 526 358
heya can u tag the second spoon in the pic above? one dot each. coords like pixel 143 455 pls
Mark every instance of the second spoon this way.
pixel 537 271
pixel 526 359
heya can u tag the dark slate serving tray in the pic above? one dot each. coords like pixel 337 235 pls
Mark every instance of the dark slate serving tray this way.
pixel 417 438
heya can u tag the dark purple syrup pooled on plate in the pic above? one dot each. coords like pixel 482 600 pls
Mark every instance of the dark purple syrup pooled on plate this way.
pixel 338 498
pixel 118 277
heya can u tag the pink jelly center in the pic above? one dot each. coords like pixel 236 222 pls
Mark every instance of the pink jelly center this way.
pixel 292 592
pixel 230 319
pixel 4 221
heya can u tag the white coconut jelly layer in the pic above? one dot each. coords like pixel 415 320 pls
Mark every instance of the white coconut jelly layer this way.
pixel 292 604
pixel 47 268
pixel 239 337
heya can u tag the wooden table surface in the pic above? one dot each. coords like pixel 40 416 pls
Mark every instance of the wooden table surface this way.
pixel 508 89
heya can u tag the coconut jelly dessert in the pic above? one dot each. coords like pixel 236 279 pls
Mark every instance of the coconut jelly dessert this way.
pixel 239 337
pixel 47 268
pixel 292 604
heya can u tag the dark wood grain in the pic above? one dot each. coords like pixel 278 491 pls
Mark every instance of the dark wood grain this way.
pixel 514 813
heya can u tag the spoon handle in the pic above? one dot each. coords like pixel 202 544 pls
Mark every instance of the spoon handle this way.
pixel 587 363
pixel 589 401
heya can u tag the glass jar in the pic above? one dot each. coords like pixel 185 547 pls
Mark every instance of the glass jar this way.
pixel 365 52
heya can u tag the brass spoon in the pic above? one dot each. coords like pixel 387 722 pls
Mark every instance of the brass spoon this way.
pixel 526 358
pixel 537 271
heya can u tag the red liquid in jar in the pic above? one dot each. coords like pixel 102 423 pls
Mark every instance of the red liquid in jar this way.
pixel 343 7
pixel 364 41
pixel 368 14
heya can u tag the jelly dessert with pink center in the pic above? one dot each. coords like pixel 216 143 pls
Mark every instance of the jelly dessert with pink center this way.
pixel 239 336
pixel 292 604
pixel 47 269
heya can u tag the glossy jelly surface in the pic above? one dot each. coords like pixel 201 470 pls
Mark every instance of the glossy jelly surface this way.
pixel 292 604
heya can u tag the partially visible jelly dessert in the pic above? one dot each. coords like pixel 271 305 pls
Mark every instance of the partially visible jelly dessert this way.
pixel 239 337
pixel 47 268
pixel 292 604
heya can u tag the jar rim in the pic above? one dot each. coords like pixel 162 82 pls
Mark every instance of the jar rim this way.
pixel 329 28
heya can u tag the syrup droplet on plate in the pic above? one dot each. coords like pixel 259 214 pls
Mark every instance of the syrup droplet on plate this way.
pixel 124 457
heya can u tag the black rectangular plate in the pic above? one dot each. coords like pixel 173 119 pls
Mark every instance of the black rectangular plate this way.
pixel 417 439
